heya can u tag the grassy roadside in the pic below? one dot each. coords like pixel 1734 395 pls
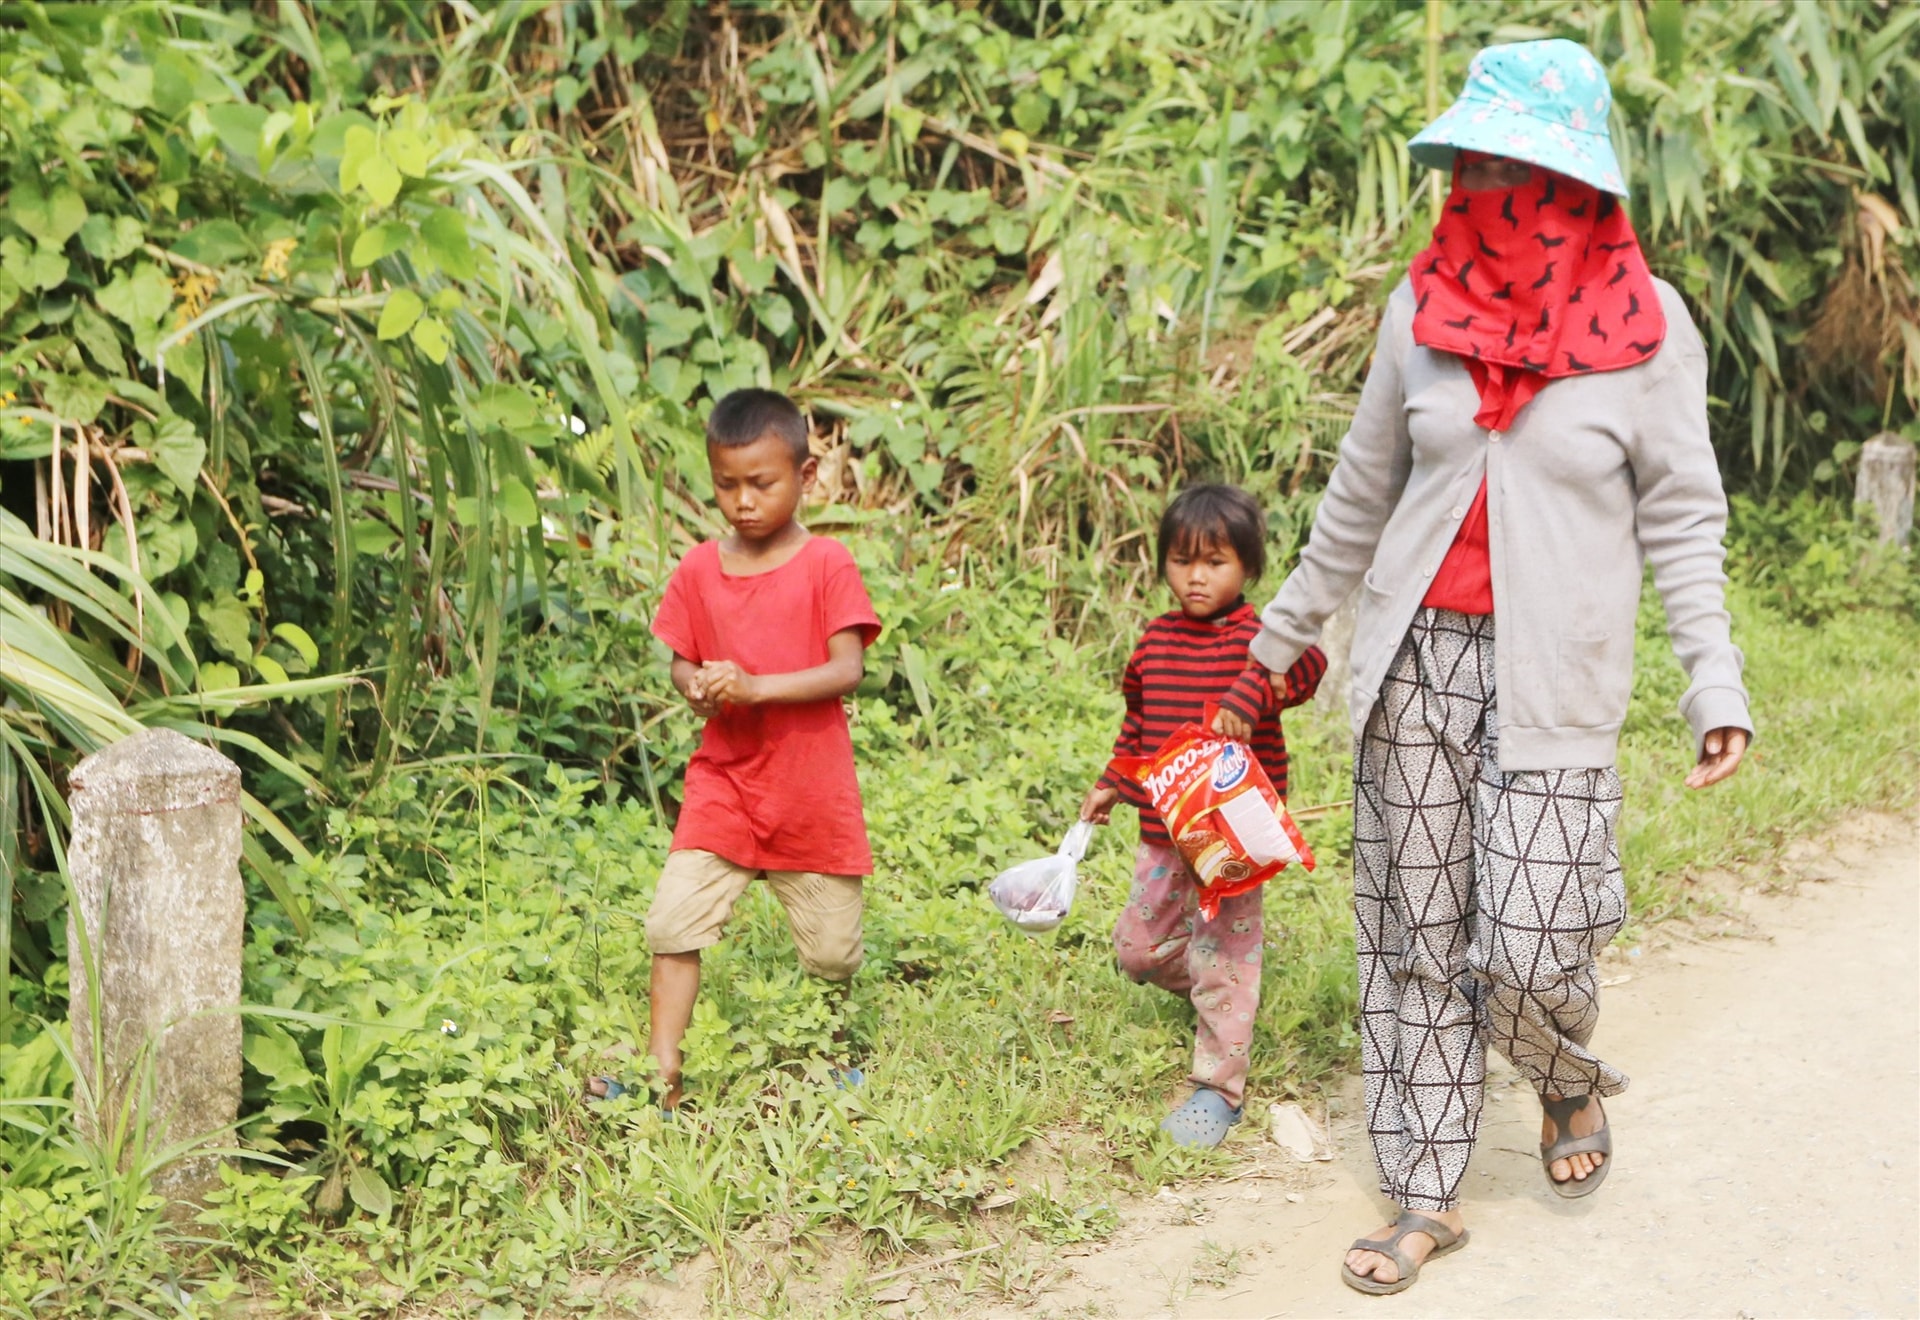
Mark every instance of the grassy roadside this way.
pixel 1015 1084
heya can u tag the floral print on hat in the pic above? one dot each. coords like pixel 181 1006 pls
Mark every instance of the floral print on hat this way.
pixel 1544 102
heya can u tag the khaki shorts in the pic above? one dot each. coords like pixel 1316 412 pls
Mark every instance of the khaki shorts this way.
pixel 697 892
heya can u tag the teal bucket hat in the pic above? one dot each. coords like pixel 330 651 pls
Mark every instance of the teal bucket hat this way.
pixel 1544 102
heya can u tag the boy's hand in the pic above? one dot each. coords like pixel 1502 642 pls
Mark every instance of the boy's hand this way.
pixel 697 698
pixel 1097 806
pixel 726 683
pixel 1719 757
pixel 1229 725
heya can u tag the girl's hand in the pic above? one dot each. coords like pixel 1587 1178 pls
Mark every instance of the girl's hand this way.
pixel 1719 757
pixel 1229 725
pixel 1097 806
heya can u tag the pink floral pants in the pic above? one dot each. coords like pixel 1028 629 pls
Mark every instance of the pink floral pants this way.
pixel 1161 939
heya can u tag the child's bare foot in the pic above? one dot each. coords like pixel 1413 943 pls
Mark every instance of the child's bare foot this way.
pixel 1416 1245
pixel 1585 1121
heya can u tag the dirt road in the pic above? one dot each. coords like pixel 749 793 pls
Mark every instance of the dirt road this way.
pixel 1768 1152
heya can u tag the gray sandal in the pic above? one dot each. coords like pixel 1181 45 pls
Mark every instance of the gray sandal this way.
pixel 1594 1143
pixel 1444 1240
pixel 1202 1120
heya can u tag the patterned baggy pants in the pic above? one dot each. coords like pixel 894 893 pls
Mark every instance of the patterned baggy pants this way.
pixel 1481 900
pixel 1162 939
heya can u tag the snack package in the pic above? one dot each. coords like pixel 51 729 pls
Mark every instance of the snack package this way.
pixel 1035 895
pixel 1221 810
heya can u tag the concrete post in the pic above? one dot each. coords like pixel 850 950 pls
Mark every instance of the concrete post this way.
pixel 155 863
pixel 1336 639
pixel 1886 483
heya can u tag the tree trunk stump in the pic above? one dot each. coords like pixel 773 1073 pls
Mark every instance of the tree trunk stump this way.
pixel 155 864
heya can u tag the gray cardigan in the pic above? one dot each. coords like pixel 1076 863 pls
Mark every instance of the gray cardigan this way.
pixel 1598 473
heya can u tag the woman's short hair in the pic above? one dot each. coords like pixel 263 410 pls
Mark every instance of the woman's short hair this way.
pixel 1212 514
pixel 745 416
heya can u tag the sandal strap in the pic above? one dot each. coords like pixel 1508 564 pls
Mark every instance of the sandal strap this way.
pixel 1390 1248
pixel 1412 1222
pixel 1594 1143
pixel 1561 1112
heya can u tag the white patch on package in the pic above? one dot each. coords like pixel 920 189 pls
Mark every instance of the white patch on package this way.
pixel 1258 829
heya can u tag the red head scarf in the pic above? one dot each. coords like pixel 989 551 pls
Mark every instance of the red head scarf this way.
pixel 1533 283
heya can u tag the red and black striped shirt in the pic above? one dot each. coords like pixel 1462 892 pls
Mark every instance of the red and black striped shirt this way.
pixel 1179 666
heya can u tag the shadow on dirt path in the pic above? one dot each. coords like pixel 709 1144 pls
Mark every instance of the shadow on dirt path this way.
pixel 1767 1155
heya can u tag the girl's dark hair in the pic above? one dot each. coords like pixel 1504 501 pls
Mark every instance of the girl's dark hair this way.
pixel 1201 516
pixel 745 416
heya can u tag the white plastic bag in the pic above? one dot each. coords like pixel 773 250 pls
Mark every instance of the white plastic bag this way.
pixel 1035 895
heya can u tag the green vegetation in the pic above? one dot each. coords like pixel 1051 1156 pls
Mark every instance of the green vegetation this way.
pixel 353 357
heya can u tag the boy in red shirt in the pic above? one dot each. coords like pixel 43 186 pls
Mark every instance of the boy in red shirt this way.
pixel 768 627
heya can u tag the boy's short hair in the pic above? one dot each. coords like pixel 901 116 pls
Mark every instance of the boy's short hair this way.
pixel 1213 514
pixel 745 416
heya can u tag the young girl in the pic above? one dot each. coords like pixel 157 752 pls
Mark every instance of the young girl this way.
pixel 1212 543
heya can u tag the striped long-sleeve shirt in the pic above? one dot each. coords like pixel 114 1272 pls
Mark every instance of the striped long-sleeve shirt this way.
pixel 1179 666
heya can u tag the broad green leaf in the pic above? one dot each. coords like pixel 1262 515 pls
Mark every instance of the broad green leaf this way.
pixel 379 241
pixel 177 449
pixel 380 180
pixel 840 195
pixel 276 1056
pixel 408 150
pixel 125 83
pixel 398 316
pixel 139 299
pixel 74 398
pixel 517 504
pixel 370 1192
pixel 431 336
pixel 98 337
pixel 52 217
pixel 269 669
pixel 32 267
pixel 271 132
pixel 238 125
pixel 885 193
pixel 507 405
pixel 359 145
pixel 214 243
pixel 445 232
pixel 296 637
pixel 229 625
pixel 373 537
pixel 111 237
pixel 218 676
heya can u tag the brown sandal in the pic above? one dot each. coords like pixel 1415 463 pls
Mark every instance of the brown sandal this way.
pixel 1594 1143
pixel 1444 1240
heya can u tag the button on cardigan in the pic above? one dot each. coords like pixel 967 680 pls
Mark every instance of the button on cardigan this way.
pixel 1598 474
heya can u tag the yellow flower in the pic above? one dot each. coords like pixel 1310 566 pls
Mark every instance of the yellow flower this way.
pixel 195 291
pixel 274 265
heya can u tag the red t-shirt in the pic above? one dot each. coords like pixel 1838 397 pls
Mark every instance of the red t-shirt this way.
pixel 1464 582
pixel 772 787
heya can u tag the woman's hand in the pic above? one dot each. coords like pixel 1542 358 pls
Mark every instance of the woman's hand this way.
pixel 1719 757
pixel 1097 806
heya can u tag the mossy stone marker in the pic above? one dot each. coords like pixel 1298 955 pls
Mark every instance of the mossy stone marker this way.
pixel 155 860
pixel 1885 484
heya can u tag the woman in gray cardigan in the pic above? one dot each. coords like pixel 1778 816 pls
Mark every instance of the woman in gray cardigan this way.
pixel 1532 429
